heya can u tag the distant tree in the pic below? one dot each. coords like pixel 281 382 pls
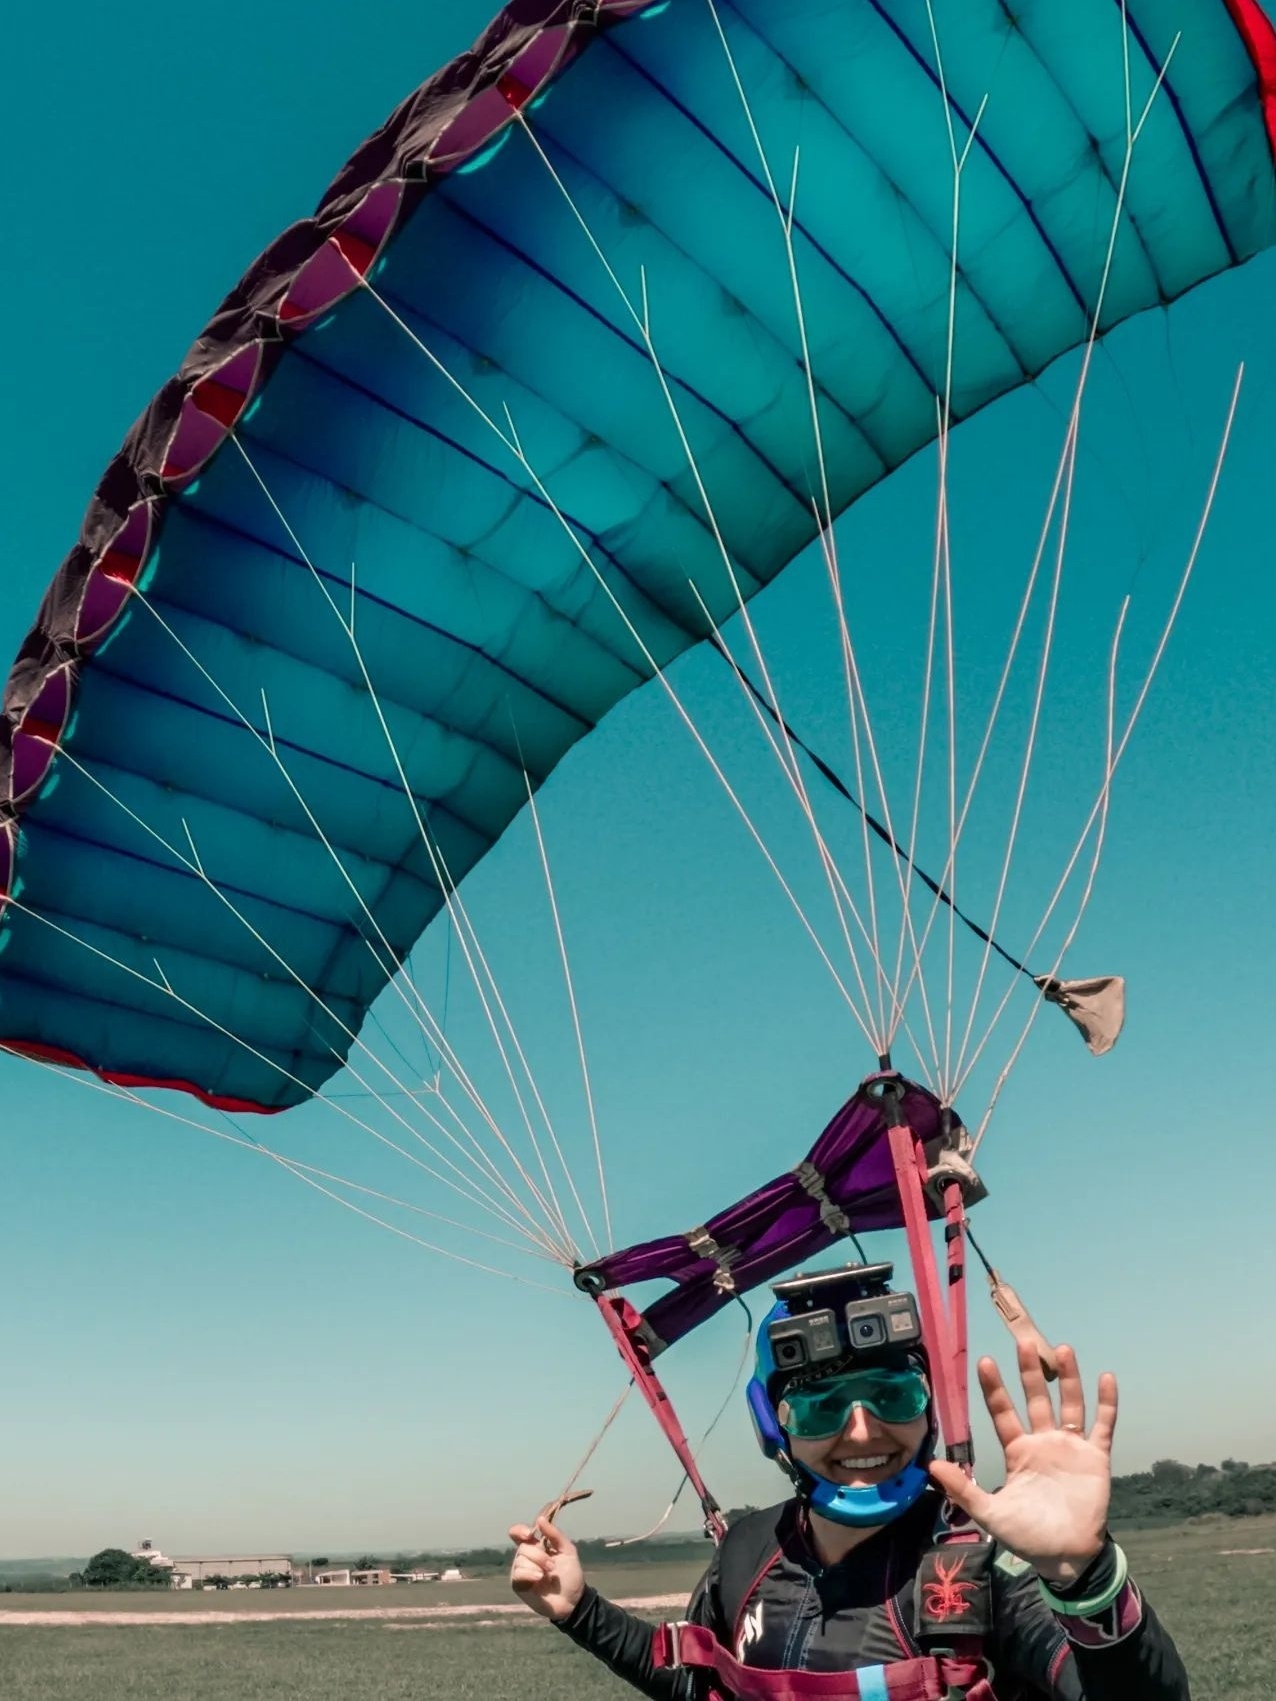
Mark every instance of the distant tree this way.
pixel 369 1562
pixel 112 1568
pixel 1170 1470
pixel 1231 1466
pixel 320 1564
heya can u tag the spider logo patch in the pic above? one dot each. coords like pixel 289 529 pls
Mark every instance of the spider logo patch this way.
pixel 946 1596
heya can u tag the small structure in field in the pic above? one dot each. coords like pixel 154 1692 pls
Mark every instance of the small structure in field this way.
pixel 453 1574
pixel 374 1578
pixel 337 1577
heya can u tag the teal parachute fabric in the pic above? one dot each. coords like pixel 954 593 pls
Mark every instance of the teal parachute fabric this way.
pixel 136 748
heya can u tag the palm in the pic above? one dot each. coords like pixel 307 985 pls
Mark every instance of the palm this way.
pixel 1052 1508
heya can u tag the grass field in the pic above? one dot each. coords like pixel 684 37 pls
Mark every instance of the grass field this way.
pixel 1220 1605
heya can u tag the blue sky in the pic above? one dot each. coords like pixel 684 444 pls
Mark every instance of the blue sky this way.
pixel 201 1350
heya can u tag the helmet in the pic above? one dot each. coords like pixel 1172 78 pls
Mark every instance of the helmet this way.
pixel 877 1503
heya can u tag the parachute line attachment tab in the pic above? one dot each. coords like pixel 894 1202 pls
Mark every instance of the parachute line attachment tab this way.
pixel 703 1245
pixel 811 1181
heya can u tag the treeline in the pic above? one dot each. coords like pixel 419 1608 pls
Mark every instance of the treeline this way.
pixel 1169 1493
pixel 1172 1492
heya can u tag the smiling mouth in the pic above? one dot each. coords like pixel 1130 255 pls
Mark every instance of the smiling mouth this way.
pixel 858 1466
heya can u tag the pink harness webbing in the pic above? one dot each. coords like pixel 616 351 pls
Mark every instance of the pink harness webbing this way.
pixel 930 1678
pixel 624 1323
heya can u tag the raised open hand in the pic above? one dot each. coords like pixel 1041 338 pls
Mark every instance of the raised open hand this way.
pixel 1052 1509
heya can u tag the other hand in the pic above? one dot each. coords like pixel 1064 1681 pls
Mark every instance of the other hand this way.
pixel 546 1572
pixel 1052 1509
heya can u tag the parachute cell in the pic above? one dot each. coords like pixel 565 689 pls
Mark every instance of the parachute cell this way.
pixel 418 508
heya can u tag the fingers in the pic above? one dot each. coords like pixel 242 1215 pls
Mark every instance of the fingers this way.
pixel 1040 1407
pixel 532 1568
pixel 1001 1408
pixel 552 1538
pixel 959 1488
pixel 521 1533
pixel 1071 1393
pixel 1105 1415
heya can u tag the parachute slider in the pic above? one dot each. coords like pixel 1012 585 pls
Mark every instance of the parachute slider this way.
pixel 1095 1007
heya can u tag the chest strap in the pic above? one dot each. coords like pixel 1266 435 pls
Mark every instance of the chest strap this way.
pixel 679 1647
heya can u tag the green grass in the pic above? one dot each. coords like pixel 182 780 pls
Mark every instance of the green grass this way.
pixel 1219 1606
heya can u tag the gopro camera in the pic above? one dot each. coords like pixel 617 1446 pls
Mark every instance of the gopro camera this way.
pixel 838 1315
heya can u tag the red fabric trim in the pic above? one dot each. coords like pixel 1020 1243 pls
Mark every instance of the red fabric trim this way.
pixel 514 91
pixel 137 1083
pixel 1255 29
pixel 356 253
pixel 115 564
pixel 34 727
pixel 219 401
pixel 908 1647
pixel 749 1593
pixel 1060 1660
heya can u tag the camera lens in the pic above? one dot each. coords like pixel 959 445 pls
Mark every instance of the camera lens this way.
pixel 789 1352
pixel 869 1331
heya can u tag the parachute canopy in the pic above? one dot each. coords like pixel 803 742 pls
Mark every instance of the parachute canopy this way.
pixel 420 506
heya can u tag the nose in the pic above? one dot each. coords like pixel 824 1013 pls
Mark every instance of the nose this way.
pixel 860 1426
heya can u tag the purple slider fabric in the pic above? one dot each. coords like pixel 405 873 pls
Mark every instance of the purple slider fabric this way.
pixel 784 1221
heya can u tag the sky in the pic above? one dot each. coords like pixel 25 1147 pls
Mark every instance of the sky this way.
pixel 200 1350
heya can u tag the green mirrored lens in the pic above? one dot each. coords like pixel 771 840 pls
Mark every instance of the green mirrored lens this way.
pixel 823 1408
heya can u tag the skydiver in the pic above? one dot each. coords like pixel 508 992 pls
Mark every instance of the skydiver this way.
pixel 859 1585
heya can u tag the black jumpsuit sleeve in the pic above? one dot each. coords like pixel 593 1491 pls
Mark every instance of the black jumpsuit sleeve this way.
pixel 622 1641
pixel 1126 1656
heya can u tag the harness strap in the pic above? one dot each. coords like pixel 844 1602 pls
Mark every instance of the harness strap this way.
pixel 955 1236
pixel 945 1337
pixel 932 1678
pixel 626 1325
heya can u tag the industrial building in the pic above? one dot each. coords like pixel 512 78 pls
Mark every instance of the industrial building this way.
pixel 193 1570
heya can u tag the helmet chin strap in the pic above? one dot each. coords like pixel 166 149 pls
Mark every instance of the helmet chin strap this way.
pixel 859 1508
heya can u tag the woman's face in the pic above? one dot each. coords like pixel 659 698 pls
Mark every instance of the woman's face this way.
pixel 865 1451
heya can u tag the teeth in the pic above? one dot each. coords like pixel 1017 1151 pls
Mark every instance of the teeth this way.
pixel 868 1464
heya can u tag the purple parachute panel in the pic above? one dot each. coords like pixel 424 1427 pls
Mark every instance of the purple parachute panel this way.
pixel 846 1184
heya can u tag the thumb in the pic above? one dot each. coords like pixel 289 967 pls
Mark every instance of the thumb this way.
pixel 960 1489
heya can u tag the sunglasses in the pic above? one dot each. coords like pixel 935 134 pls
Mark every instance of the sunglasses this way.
pixel 824 1408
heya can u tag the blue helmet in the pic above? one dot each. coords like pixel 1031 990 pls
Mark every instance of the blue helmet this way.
pixel 878 1503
